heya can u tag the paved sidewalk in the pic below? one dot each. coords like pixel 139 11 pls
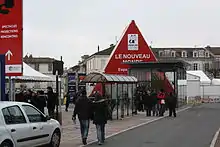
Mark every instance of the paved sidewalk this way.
pixel 71 133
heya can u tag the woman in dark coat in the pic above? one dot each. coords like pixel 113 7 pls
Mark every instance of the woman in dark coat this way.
pixel 100 117
pixel 41 100
pixel 171 104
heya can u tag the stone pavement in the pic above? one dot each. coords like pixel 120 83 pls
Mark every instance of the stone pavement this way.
pixel 71 132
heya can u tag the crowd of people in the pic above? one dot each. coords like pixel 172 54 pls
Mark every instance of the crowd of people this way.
pixel 39 99
pixel 155 103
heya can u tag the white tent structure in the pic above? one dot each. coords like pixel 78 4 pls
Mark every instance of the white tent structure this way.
pixel 29 74
pixel 204 79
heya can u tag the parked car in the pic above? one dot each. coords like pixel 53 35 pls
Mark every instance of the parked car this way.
pixel 23 125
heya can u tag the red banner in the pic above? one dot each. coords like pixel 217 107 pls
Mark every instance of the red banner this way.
pixel 11 35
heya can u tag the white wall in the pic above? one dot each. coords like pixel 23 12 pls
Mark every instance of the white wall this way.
pixel 96 63
pixel 193 88
pixel 192 77
pixel 43 68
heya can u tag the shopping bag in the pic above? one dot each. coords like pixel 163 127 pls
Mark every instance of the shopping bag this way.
pixel 64 101
pixel 162 101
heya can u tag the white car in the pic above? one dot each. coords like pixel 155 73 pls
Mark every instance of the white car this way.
pixel 23 125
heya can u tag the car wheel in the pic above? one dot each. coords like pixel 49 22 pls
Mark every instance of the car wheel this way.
pixel 55 139
pixel 6 144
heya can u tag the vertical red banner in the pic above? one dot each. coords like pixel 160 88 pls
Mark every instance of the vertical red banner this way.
pixel 11 39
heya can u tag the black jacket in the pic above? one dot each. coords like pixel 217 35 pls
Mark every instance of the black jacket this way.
pixel 51 100
pixel 83 108
pixel 100 112
pixel 171 101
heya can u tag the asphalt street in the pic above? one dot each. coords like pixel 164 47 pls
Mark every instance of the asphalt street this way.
pixel 194 127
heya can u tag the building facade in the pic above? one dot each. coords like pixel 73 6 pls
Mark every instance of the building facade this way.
pixel 206 59
pixel 45 66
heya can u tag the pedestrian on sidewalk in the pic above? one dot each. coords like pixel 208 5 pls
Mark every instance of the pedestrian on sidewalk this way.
pixel 100 117
pixel 154 103
pixel 67 97
pixel 83 108
pixel 161 97
pixel 147 102
pixel 171 103
pixel 51 101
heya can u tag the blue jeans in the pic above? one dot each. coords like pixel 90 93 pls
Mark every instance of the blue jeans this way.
pixel 100 129
pixel 84 128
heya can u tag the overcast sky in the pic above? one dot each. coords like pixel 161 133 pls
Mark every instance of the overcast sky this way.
pixel 72 28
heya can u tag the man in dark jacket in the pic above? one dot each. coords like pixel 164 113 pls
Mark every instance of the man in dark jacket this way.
pixel 100 117
pixel 155 107
pixel 147 102
pixel 41 100
pixel 51 101
pixel 83 110
pixel 171 103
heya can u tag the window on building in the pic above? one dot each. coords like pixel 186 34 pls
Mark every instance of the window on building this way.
pixel 201 53
pixel 195 54
pixel 94 64
pixel 167 53
pixel 206 66
pixel 50 67
pixel 173 54
pixel 184 54
pixel 195 66
pixel 206 54
pixel 103 62
pixel 90 65
pixel 160 53
pixel 37 66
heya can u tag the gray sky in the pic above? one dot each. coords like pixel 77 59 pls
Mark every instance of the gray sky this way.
pixel 72 28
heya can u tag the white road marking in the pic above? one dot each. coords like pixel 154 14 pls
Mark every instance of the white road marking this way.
pixel 214 140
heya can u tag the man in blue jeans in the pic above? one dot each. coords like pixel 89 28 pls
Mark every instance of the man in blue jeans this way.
pixel 83 110
pixel 100 117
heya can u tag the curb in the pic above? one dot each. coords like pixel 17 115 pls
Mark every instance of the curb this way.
pixel 133 127
pixel 214 140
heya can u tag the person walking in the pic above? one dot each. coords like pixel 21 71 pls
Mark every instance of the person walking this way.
pixel 171 103
pixel 41 100
pixel 51 101
pixel 161 97
pixel 100 117
pixel 154 103
pixel 83 108
pixel 147 103
pixel 67 96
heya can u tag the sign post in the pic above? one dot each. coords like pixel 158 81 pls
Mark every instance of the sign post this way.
pixel 11 38
pixel 2 78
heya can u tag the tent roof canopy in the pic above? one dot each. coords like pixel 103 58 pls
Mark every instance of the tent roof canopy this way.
pixel 30 75
pixel 97 77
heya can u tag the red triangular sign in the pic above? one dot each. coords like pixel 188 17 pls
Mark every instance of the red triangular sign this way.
pixel 132 47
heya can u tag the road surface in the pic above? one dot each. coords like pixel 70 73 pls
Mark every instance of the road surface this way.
pixel 192 128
